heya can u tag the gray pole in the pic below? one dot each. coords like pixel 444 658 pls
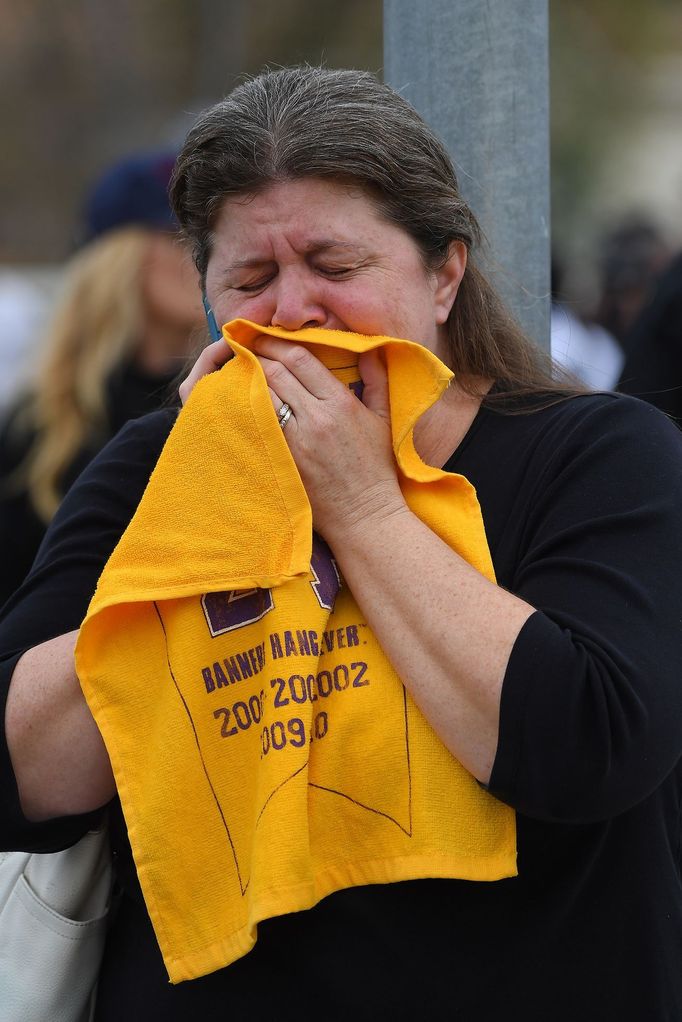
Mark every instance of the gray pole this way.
pixel 477 70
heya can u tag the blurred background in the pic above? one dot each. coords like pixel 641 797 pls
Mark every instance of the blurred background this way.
pixel 99 305
pixel 84 82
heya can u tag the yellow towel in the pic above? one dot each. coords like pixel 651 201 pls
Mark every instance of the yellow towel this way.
pixel 264 750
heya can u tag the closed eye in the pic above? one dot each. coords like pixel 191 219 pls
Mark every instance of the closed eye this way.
pixel 253 288
pixel 336 271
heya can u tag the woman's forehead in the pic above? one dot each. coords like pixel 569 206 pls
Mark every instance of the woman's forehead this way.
pixel 317 213
pixel 302 192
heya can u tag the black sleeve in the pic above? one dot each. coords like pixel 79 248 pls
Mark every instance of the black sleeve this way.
pixel 55 596
pixel 591 710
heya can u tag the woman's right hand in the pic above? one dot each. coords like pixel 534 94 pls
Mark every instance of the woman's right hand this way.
pixel 213 357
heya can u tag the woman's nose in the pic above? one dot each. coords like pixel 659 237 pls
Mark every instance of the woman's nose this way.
pixel 297 305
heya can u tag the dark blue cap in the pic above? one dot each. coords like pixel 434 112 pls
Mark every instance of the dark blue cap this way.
pixel 134 191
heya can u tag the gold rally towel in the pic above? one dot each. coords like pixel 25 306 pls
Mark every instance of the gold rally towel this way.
pixel 264 750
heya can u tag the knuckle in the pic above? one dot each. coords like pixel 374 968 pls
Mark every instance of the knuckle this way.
pixel 347 399
pixel 276 372
pixel 346 403
pixel 298 357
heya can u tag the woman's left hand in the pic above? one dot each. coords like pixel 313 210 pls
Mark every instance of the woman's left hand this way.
pixel 447 630
pixel 213 357
pixel 342 446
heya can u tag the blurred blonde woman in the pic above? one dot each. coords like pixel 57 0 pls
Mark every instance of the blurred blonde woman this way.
pixel 120 332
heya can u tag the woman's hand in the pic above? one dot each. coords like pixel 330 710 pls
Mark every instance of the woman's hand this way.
pixel 213 357
pixel 342 446
pixel 59 759
pixel 446 629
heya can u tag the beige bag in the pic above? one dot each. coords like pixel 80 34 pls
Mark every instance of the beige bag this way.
pixel 53 916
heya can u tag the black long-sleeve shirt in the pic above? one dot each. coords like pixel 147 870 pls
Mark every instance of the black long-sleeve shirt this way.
pixel 582 504
pixel 130 393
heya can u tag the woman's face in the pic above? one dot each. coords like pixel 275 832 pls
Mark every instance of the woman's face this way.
pixel 170 283
pixel 312 252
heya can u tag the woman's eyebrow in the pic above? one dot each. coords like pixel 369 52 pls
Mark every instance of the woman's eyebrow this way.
pixel 241 264
pixel 326 243
pixel 312 248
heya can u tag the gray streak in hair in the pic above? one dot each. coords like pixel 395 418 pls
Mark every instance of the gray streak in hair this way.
pixel 347 126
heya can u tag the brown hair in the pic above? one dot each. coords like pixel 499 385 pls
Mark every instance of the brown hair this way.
pixel 346 125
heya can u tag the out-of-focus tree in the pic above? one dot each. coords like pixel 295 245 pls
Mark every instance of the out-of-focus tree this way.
pixel 602 57
pixel 83 82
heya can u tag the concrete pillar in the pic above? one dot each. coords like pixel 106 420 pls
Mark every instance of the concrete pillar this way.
pixel 477 70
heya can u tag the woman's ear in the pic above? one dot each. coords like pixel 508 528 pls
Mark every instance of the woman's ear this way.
pixel 448 278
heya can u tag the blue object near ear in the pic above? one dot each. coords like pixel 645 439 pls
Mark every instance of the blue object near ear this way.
pixel 213 328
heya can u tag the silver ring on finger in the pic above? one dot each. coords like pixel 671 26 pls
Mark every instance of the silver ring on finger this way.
pixel 283 415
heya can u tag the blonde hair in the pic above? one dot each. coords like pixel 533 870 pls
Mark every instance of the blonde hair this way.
pixel 97 322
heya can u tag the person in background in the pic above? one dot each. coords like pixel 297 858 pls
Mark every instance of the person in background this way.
pixel 583 348
pixel 632 256
pixel 653 363
pixel 118 336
